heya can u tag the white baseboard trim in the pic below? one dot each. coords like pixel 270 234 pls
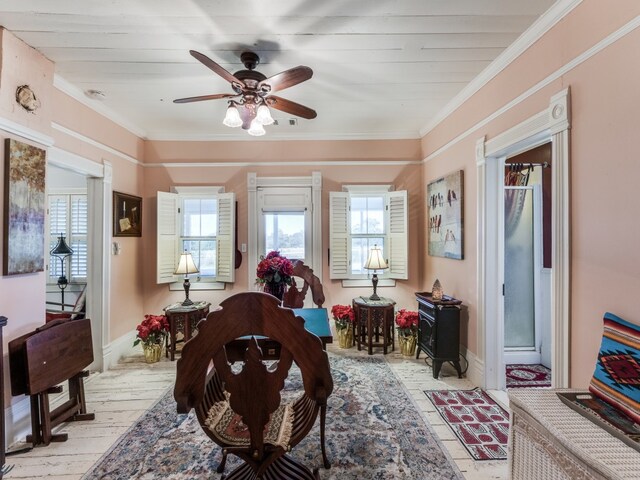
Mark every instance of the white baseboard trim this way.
pixel 120 347
pixel 475 372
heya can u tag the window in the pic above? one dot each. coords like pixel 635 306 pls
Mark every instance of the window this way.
pixel 68 217
pixel 362 218
pixel 201 221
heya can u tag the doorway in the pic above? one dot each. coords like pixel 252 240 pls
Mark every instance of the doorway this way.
pixel 551 125
pixel 97 183
pixel 527 268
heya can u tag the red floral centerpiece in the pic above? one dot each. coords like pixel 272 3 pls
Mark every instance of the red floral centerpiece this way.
pixel 344 317
pixel 151 333
pixel 274 272
pixel 407 322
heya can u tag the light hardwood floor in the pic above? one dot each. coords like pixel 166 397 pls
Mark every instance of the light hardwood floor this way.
pixel 119 396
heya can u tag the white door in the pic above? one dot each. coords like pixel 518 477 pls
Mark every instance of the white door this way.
pixel 522 268
pixel 285 224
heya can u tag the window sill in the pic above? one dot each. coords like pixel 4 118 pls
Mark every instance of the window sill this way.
pixel 382 282
pixel 198 286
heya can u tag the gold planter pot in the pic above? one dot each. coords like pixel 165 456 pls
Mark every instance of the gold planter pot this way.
pixel 345 337
pixel 408 344
pixel 152 352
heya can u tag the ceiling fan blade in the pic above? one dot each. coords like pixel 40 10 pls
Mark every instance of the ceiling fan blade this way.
pixel 288 106
pixel 207 62
pixel 288 78
pixel 205 97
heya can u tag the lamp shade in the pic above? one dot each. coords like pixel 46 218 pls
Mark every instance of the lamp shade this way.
pixel 263 115
pixel 61 249
pixel 376 260
pixel 232 118
pixel 186 264
pixel 256 129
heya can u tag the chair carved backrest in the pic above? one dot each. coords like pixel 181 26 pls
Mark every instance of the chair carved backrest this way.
pixel 253 393
pixel 294 298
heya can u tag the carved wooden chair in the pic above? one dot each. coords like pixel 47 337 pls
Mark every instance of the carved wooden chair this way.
pixel 294 298
pixel 242 411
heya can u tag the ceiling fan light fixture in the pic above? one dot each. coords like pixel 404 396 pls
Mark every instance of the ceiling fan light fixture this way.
pixel 232 118
pixel 263 115
pixel 256 129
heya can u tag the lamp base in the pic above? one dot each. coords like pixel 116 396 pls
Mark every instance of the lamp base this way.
pixel 374 280
pixel 186 285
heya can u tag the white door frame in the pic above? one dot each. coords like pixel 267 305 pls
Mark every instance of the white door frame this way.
pixel 253 182
pixel 99 196
pixel 550 125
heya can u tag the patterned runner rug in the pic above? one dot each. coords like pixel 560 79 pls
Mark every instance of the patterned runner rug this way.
pixel 374 431
pixel 479 423
pixel 528 376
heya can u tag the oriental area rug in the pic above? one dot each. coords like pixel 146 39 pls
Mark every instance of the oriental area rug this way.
pixel 373 431
pixel 528 376
pixel 480 424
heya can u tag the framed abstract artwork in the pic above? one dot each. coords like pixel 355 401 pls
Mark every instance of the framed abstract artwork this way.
pixel 444 219
pixel 127 215
pixel 24 208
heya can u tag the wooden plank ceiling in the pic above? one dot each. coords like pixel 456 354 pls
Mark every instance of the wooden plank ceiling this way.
pixel 382 69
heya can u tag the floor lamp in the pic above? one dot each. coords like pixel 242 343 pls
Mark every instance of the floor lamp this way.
pixel 62 251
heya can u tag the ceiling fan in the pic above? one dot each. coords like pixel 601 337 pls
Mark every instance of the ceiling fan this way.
pixel 249 105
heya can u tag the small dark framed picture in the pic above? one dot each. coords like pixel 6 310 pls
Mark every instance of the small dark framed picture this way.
pixel 127 215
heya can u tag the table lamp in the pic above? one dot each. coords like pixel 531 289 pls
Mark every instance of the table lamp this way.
pixel 62 251
pixel 185 267
pixel 375 262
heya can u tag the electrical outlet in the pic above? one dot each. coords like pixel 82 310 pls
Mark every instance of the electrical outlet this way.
pixel 243 248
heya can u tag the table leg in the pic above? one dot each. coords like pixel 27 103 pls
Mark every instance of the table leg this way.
pixel 369 332
pixel 172 333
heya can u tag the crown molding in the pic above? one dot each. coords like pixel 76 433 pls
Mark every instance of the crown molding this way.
pixel 27 133
pixel 331 163
pixel 567 67
pixel 274 137
pixel 541 26
pixel 74 92
pixel 90 141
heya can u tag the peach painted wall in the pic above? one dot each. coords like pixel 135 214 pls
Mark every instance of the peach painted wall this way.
pixel 22 298
pixel 128 172
pixel 605 270
pixel 396 170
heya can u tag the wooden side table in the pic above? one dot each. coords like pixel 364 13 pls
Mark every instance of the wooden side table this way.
pixel 183 319
pixel 374 318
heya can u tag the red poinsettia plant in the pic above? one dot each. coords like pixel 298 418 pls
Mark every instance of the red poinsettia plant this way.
pixel 152 330
pixel 274 268
pixel 407 322
pixel 343 316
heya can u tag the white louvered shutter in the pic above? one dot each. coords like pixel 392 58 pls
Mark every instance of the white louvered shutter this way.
pixel 398 235
pixel 226 242
pixel 339 245
pixel 78 236
pixel 168 236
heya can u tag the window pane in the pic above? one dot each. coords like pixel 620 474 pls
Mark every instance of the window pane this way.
pixel 367 215
pixel 360 247
pixel 199 217
pixel 204 255
pixel 284 231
